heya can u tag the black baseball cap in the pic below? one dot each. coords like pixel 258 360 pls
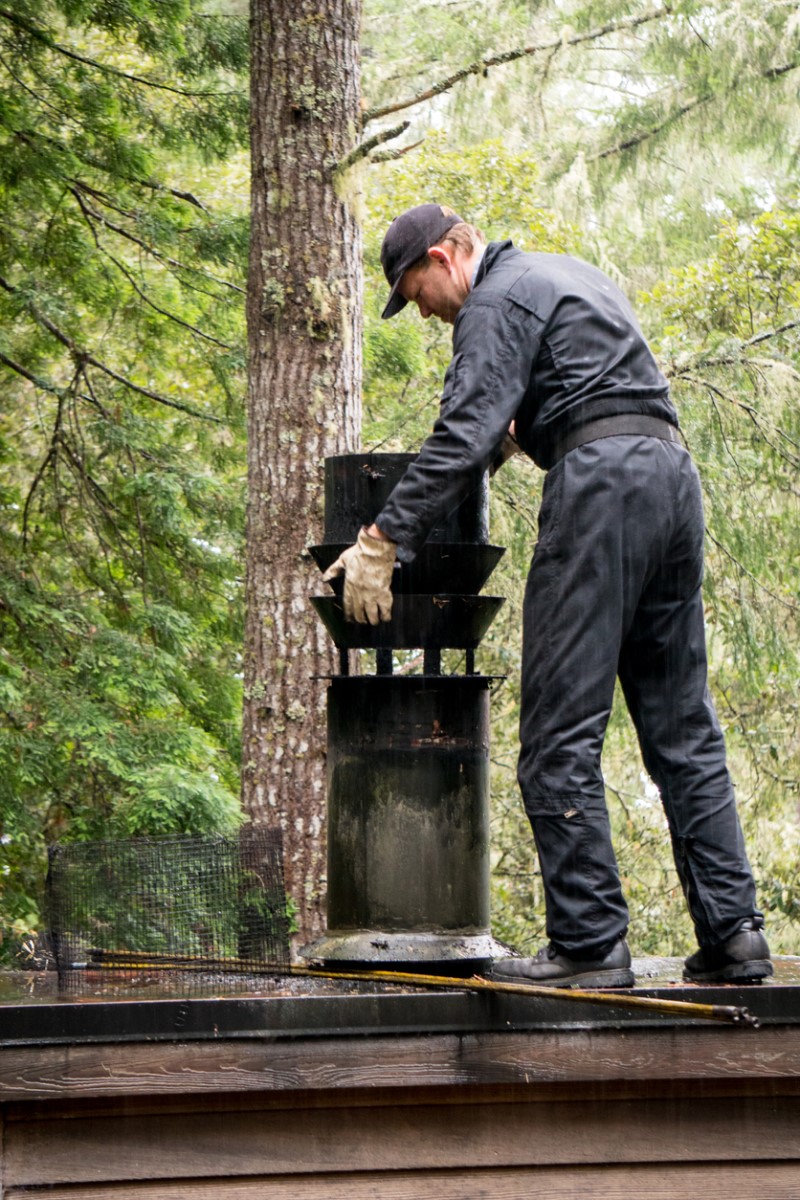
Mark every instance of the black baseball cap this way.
pixel 407 239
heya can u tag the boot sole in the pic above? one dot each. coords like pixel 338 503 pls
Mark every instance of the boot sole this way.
pixel 621 978
pixel 747 972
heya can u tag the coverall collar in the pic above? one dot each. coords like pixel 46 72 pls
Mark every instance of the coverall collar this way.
pixel 490 254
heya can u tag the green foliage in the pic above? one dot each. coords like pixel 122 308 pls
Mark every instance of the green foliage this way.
pixel 731 341
pixel 744 290
pixel 121 432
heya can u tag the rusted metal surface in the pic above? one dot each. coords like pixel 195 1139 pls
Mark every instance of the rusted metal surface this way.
pixel 408 767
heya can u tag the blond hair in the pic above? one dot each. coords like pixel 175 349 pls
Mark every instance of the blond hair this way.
pixel 463 237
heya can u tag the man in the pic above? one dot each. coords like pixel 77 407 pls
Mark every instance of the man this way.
pixel 546 346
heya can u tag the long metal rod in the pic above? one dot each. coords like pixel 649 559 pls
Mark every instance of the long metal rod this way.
pixel 728 1013
pixel 732 1014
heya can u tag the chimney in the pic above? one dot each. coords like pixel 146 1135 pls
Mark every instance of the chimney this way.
pixel 408 754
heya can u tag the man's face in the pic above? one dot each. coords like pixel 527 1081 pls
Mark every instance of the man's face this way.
pixel 434 289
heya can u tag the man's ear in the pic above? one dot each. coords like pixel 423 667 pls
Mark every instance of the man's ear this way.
pixel 440 255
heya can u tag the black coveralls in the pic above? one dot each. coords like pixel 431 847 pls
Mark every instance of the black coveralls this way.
pixel 614 587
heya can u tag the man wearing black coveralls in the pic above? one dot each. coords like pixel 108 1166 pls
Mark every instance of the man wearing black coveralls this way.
pixel 547 347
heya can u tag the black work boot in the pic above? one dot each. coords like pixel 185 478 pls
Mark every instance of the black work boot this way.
pixel 550 968
pixel 743 958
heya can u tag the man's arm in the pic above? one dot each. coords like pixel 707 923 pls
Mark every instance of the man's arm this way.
pixel 495 347
pixel 509 447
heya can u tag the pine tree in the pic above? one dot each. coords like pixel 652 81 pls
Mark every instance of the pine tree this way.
pixel 304 322
pixel 121 362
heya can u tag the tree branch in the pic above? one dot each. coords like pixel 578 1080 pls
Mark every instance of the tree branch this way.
pixel 100 196
pixel 139 291
pixel 761 766
pixel 644 135
pixel 715 393
pixel 750 411
pixel 50 456
pixel 734 355
pixel 393 155
pixel 143 391
pixel 81 357
pixel 36 380
pixel 364 148
pixel 39 34
pixel 171 191
pixel 764 337
pixel 680 112
pixel 165 258
pixel 30 136
pixel 753 578
pixel 495 60
pixel 151 184
pixel 60 112
pixel 157 308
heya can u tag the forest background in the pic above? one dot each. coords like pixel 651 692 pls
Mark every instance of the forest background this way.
pixel 660 142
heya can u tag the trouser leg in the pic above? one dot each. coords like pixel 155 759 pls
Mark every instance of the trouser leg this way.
pixel 586 910
pixel 615 586
pixel 663 671
pixel 571 638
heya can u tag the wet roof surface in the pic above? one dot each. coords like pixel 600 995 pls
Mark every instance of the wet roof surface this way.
pixel 177 1007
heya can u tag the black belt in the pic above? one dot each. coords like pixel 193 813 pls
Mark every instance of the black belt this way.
pixel 625 423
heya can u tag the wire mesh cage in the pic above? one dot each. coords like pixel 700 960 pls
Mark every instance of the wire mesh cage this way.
pixel 193 905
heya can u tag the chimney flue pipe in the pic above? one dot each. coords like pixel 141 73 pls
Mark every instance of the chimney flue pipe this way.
pixel 408 754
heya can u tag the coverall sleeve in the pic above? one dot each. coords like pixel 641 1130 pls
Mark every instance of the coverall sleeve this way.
pixel 495 344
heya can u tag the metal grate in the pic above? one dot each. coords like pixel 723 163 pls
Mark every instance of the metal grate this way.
pixel 196 905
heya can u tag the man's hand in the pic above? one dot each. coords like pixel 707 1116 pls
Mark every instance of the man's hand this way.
pixel 367 568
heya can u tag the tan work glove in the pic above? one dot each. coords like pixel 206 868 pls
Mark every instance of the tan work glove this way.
pixel 367 569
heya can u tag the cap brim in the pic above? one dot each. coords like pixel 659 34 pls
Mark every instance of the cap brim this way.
pixel 396 302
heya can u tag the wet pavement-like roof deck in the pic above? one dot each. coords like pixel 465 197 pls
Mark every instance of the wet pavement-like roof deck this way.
pixel 161 1006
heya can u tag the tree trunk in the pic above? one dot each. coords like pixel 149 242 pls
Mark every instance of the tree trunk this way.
pixel 304 331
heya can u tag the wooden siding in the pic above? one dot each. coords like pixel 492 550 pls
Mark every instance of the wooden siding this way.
pixel 322 1063
pixel 658 1113
pixel 722 1181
